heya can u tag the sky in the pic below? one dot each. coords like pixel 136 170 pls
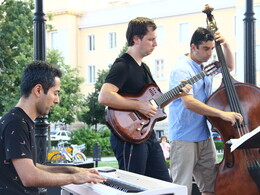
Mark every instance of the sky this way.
pixel 97 4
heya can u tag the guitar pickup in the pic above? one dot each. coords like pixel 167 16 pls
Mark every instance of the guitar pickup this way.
pixel 138 115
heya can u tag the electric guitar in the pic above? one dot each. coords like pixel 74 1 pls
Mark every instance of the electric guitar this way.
pixel 132 126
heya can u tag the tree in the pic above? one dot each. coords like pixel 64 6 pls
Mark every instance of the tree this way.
pixel 123 50
pixel 16 41
pixel 70 96
pixel 93 112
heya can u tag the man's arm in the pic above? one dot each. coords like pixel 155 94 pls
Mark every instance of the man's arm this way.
pixel 201 108
pixel 32 176
pixel 59 169
pixel 108 96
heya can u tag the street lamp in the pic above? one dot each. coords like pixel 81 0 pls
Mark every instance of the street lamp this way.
pixel 250 63
pixel 39 54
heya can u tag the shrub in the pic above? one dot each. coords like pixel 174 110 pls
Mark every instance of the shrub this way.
pixel 219 145
pixel 168 163
pixel 90 136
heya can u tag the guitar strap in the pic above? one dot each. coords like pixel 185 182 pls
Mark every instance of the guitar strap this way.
pixel 148 73
pixel 145 67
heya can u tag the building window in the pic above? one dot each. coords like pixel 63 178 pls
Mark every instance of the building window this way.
pixel 184 32
pixel 59 40
pixel 91 74
pixel 159 69
pixel 160 35
pixel 91 44
pixel 54 40
pixel 112 40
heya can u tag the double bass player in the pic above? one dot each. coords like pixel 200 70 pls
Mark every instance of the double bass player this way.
pixel 192 148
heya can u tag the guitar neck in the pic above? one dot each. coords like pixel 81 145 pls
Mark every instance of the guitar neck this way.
pixel 164 99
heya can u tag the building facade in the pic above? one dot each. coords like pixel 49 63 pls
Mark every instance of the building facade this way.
pixel 90 39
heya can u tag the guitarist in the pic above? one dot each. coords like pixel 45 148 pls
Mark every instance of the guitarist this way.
pixel 129 75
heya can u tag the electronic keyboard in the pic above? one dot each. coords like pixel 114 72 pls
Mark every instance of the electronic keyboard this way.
pixel 124 182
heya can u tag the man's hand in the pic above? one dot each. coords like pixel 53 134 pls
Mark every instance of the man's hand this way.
pixel 233 117
pixel 219 38
pixel 88 176
pixel 147 109
pixel 186 89
pixel 150 111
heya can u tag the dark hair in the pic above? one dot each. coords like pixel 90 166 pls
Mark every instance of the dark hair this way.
pixel 139 27
pixel 201 35
pixel 38 72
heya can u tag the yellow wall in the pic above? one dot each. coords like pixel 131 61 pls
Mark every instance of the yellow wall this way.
pixel 102 56
pixel 54 5
pixel 67 20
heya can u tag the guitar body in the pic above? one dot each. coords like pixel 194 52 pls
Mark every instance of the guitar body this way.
pixel 132 126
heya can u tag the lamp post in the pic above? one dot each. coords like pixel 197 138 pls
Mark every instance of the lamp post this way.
pixel 249 24
pixel 39 54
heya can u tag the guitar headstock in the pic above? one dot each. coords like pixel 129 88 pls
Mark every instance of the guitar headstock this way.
pixel 211 68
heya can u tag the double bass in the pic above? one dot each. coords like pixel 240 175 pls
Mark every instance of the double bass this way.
pixel 239 171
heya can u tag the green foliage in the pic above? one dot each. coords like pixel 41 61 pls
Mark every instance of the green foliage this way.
pixel 16 41
pixel 89 137
pixel 92 112
pixel 70 97
pixel 219 145
pixel 123 50
pixel 113 164
pixel 168 163
pixel 220 157
pixel 49 17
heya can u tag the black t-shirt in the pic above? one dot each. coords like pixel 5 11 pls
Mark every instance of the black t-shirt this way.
pixel 16 141
pixel 128 76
